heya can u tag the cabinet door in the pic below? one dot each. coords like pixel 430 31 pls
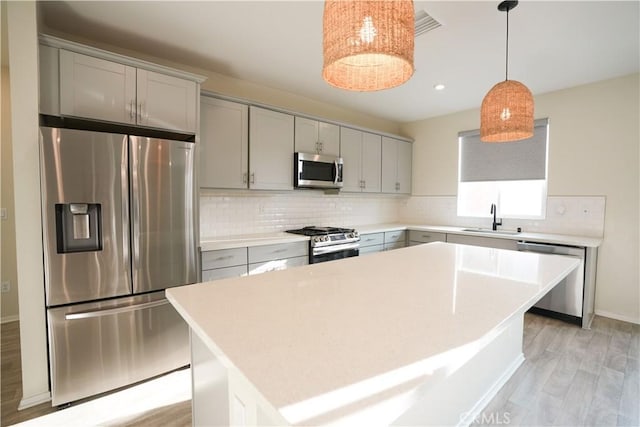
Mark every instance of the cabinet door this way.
pixel 389 165
pixel 96 89
pixel 371 162
pixel 270 149
pixel 224 143
pixel 405 153
pixel 329 137
pixel 306 135
pixel 351 153
pixel 166 102
pixel 487 242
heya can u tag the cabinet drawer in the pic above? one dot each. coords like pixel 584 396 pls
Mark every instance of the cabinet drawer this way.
pixel 371 239
pixel 370 249
pixel 394 245
pixel 278 251
pixel 223 273
pixel 426 236
pixel 394 236
pixel 224 258
pixel 280 264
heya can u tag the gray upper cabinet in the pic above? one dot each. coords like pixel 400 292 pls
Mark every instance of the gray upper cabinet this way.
pixel 313 136
pixel 396 166
pixel 224 143
pixel 362 156
pixel 271 135
pixel 89 83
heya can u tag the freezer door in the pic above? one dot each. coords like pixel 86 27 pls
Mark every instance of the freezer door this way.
pixel 85 211
pixel 162 213
pixel 98 347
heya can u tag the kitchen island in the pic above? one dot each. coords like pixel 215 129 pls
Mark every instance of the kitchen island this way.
pixel 416 336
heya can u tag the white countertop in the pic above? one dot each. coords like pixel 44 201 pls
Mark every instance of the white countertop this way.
pixel 239 240
pixel 320 341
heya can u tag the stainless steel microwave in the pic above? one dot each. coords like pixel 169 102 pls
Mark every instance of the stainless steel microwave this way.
pixel 317 171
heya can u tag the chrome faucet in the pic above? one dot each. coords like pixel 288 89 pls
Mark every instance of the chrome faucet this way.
pixel 494 211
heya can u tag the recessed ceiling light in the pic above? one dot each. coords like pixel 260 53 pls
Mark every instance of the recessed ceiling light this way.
pixel 438 86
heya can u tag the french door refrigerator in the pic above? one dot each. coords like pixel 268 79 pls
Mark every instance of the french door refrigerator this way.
pixel 119 227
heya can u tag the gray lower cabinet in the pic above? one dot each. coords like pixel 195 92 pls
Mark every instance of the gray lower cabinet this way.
pixel 395 239
pixel 371 243
pixel 235 262
pixel 417 237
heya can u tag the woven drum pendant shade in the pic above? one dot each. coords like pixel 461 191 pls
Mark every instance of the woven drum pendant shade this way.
pixel 368 45
pixel 507 113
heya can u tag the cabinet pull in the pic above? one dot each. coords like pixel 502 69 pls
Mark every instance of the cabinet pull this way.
pixel 140 112
pixel 132 110
pixel 277 251
pixel 426 236
pixel 244 178
pixel 253 178
pixel 221 258
pixel 321 146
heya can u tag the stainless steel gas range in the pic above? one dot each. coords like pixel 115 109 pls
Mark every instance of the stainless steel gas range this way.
pixel 330 243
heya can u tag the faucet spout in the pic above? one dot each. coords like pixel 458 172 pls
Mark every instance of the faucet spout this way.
pixel 494 211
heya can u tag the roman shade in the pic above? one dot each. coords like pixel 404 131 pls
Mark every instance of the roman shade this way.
pixel 513 161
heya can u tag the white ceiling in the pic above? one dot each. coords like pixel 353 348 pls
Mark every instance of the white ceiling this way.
pixel 553 45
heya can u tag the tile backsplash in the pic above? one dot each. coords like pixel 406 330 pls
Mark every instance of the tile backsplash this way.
pixel 226 213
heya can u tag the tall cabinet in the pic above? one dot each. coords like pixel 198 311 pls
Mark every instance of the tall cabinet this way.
pixel 270 149
pixel 224 143
pixel 362 155
pixel 396 166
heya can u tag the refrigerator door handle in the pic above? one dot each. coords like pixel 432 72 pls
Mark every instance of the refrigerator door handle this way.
pixel 115 310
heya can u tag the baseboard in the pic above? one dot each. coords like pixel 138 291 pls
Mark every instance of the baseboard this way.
pixel 474 413
pixel 34 400
pixel 618 317
pixel 8 319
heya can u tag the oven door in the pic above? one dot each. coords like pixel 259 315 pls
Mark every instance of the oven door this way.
pixel 332 253
pixel 317 171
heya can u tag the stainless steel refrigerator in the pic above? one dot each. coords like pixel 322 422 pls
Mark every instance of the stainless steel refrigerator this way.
pixel 119 226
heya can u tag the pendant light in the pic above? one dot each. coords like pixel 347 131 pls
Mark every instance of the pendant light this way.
pixel 507 109
pixel 367 45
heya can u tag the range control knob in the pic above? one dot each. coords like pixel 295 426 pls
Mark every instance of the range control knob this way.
pixel 325 238
pixel 316 238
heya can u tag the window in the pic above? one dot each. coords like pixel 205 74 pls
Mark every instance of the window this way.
pixel 512 175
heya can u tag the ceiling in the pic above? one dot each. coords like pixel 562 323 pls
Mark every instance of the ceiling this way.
pixel 553 45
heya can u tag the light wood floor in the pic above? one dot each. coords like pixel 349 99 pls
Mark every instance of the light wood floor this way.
pixel 571 377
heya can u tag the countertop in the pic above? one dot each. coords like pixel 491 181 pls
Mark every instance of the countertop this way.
pixel 235 241
pixel 346 331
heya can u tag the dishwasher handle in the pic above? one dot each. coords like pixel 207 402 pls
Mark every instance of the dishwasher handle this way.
pixel 550 249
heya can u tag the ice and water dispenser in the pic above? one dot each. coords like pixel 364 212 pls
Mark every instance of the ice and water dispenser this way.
pixel 78 227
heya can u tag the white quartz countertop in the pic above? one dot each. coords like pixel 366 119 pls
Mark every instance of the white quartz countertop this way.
pixel 245 240
pixel 320 341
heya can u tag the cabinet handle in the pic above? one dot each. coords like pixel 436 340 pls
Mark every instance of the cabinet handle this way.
pixel 426 236
pixel 244 178
pixel 140 112
pixel 132 110
pixel 221 258
pixel 277 251
pixel 364 183
pixel 253 178
pixel 321 146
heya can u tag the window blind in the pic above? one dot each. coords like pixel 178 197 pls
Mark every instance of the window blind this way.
pixel 511 161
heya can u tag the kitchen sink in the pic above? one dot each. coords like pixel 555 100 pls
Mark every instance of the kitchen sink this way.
pixel 488 230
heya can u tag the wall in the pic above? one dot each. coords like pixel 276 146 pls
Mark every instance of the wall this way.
pixel 593 151
pixel 23 67
pixel 9 304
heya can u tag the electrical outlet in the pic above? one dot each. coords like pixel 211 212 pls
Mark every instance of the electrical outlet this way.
pixel 6 286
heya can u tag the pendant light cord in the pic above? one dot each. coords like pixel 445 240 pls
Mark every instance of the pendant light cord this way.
pixel 506 65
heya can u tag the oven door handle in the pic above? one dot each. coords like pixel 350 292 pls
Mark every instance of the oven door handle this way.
pixel 335 248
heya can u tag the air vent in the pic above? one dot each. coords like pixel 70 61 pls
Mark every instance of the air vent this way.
pixel 424 23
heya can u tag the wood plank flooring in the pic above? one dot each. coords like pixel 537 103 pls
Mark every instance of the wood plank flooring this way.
pixel 571 377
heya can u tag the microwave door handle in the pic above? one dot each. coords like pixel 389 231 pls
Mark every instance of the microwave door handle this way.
pixel 335 181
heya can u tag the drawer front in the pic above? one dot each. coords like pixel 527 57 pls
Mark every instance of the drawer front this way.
pixel 224 258
pixel 395 236
pixel 426 236
pixel 371 239
pixel 275 265
pixel 223 273
pixel 364 250
pixel 395 245
pixel 278 251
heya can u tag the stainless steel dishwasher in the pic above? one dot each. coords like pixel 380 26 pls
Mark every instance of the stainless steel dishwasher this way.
pixel 572 299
